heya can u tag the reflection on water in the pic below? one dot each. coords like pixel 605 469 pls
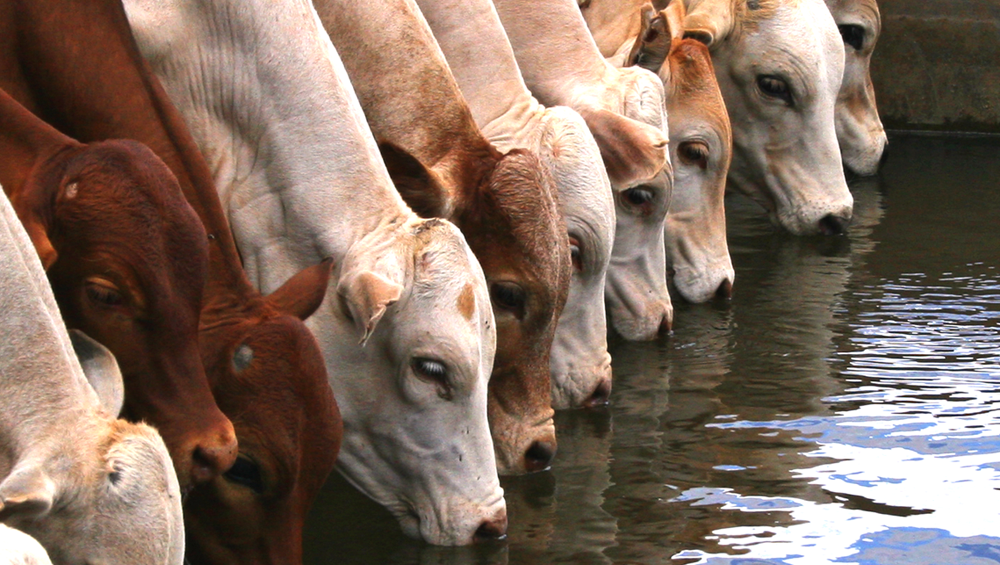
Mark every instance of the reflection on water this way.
pixel 845 407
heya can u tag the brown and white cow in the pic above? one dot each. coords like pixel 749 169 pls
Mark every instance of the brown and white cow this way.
pixel 77 66
pixel 408 336
pixel 88 487
pixel 504 204
pixel 624 109
pixel 780 64
pixel 700 136
pixel 859 130
pixel 83 206
pixel 481 60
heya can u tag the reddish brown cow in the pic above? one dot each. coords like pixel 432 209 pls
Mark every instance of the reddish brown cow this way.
pixel 83 207
pixel 505 205
pixel 76 65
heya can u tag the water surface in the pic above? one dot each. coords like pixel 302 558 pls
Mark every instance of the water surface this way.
pixel 844 407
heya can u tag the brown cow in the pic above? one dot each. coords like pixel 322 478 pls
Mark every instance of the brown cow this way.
pixel 76 65
pixel 505 205
pixel 82 206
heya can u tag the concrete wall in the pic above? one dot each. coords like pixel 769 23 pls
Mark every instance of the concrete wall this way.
pixel 937 65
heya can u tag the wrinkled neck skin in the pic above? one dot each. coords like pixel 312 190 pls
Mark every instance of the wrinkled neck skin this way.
pixel 787 157
pixel 859 129
pixel 482 62
pixel 579 77
pixel 303 179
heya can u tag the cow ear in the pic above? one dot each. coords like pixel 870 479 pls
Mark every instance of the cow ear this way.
pixel 653 44
pixel 632 151
pixel 102 371
pixel 27 492
pixel 673 15
pixel 367 295
pixel 709 21
pixel 302 294
pixel 37 232
pixel 417 185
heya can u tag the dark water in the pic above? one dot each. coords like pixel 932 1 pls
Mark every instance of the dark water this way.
pixel 843 408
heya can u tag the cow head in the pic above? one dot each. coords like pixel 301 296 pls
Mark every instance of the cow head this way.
pixel 108 496
pixel 413 336
pixel 580 363
pixel 513 224
pixel 635 154
pixel 779 65
pixel 270 379
pixel 128 263
pixel 859 129
pixel 701 148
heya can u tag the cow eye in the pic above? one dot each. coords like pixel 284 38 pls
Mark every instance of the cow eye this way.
pixel 433 371
pixel 576 253
pixel 694 153
pixel 854 35
pixel 508 296
pixel 774 87
pixel 246 472
pixel 639 196
pixel 103 294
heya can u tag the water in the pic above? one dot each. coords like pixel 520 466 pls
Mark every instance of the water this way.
pixel 843 408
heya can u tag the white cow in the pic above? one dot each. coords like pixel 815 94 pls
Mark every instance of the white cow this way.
pixel 624 109
pixel 780 65
pixel 859 129
pixel 18 548
pixel 409 336
pixel 482 62
pixel 88 487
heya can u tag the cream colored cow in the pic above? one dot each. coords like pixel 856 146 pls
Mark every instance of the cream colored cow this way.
pixel 479 55
pixel 88 487
pixel 701 144
pixel 859 129
pixel 624 109
pixel 779 64
pixel 18 548
pixel 409 335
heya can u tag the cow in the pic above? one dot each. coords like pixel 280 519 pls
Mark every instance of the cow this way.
pixel 83 206
pixel 481 60
pixel 701 144
pixel 779 64
pixel 859 130
pixel 90 488
pixel 408 335
pixel 625 112
pixel 18 548
pixel 76 65
pixel 504 204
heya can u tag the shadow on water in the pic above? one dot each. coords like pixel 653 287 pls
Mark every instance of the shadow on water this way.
pixel 841 408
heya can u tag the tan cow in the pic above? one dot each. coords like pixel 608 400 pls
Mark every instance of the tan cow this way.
pixel 700 136
pixel 504 203
pixel 859 129
pixel 18 548
pixel 624 109
pixel 472 39
pixel 408 337
pixel 88 487
pixel 780 64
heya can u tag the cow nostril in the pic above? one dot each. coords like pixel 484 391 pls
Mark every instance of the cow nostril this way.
pixel 601 394
pixel 208 462
pixel 832 225
pixel 666 325
pixel 725 290
pixel 491 530
pixel 539 456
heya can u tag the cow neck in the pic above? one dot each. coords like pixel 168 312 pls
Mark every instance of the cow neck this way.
pixel 27 142
pixel 103 89
pixel 482 63
pixel 409 96
pixel 558 58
